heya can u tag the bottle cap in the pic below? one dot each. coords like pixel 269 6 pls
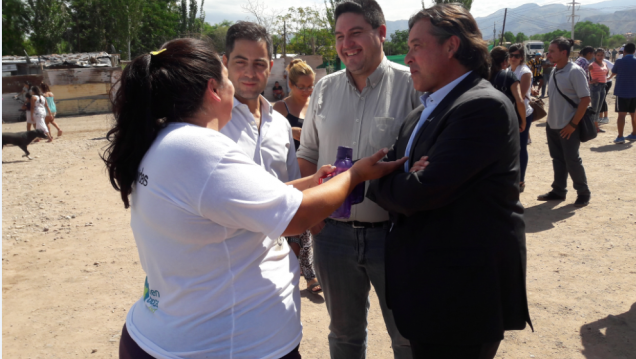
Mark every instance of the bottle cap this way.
pixel 344 152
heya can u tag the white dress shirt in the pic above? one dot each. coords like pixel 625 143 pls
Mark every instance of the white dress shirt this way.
pixel 272 147
pixel 430 102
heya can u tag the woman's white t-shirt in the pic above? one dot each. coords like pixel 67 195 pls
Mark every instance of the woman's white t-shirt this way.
pixel 206 220
pixel 520 71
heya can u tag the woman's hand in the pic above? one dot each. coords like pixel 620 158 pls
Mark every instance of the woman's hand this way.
pixel 323 171
pixel 296 131
pixel 523 125
pixel 369 168
pixel 420 165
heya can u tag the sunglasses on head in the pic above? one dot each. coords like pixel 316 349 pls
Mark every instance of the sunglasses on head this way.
pixel 516 56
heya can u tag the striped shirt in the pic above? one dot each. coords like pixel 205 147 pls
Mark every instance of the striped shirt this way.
pixel 535 66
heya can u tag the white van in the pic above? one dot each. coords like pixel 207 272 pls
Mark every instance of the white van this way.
pixel 531 47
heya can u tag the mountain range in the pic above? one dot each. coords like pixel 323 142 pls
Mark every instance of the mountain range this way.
pixel 618 15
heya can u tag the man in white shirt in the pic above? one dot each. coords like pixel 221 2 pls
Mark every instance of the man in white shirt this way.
pixel 262 133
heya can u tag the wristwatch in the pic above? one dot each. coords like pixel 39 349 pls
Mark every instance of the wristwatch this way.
pixel 573 125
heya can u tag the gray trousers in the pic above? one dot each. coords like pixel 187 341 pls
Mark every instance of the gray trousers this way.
pixel 566 160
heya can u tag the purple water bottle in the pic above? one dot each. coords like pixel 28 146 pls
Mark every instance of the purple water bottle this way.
pixel 343 163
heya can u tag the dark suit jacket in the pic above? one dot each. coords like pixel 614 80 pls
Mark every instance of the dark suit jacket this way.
pixel 456 255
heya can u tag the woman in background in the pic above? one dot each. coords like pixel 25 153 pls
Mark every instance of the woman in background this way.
pixel 50 120
pixel 294 107
pixel 39 109
pixel 598 79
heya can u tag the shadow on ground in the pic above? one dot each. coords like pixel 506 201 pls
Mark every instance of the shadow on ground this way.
pixel 612 147
pixel 542 217
pixel 613 337
pixel 314 298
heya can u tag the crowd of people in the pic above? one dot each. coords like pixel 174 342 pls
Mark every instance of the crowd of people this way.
pixel 223 186
pixel 40 109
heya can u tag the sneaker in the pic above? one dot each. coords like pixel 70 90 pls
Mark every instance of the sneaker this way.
pixel 600 130
pixel 529 141
pixel 551 196
pixel 631 137
pixel 603 120
pixel 582 201
pixel 619 140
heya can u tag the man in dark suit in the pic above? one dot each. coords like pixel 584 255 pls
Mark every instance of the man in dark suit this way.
pixel 456 253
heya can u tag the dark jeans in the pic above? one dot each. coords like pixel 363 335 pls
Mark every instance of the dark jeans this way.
pixel 347 261
pixel 439 351
pixel 566 160
pixel 546 80
pixel 523 151
pixel 128 349
pixel 608 86
pixel 597 92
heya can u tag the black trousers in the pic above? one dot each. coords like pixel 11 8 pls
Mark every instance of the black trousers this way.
pixel 439 351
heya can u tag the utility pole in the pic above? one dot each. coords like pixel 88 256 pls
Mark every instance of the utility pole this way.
pixel 503 30
pixel 573 17
pixel 284 39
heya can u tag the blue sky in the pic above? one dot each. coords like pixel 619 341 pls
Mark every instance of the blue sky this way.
pixel 218 10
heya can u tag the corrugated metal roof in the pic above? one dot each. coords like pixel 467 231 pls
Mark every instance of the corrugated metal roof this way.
pixel 85 59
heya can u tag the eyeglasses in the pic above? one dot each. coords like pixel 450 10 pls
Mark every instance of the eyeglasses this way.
pixel 515 56
pixel 310 88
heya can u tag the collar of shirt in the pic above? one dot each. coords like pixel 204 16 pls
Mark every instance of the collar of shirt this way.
pixel 430 102
pixel 243 119
pixel 374 79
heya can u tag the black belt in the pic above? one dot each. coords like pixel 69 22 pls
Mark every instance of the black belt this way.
pixel 356 224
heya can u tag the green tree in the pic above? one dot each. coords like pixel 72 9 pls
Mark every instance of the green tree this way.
pixel 612 42
pixel 48 21
pixel 15 25
pixel 591 34
pixel 509 37
pixel 128 15
pixel 465 3
pixel 398 44
pixel 160 24
pixel 217 34
pixel 521 37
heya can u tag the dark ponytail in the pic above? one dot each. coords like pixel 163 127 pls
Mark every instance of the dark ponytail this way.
pixel 498 55
pixel 154 90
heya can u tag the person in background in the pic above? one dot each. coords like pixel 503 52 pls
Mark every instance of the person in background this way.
pixel 50 120
pixel 456 252
pixel 598 79
pixel 536 66
pixel 547 71
pixel 362 107
pixel 585 57
pixel 205 217
pixel 255 126
pixel 608 54
pixel 620 55
pixel 604 119
pixel 524 74
pixel 39 109
pixel 625 90
pixel 506 82
pixel 294 108
pixel 277 90
pixel 29 117
pixel 614 53
pixel 562 124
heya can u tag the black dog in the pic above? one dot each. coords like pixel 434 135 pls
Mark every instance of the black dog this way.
pixel 22 139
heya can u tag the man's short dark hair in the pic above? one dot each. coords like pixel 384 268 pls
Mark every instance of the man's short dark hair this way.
pixel 630 48
pixel 454 20
pixel 245 30
pixel 563 44
pixel 587 50
pixel 369 9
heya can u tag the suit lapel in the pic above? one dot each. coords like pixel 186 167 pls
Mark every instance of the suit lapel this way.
pixel 446 105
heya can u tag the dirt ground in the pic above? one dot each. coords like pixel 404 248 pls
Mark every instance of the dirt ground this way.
pixel 70 267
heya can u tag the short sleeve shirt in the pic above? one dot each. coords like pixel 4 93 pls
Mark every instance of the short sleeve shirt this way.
pixel 625 70
pixel 502 81
pixel 572 81
pixel 206 220
pixel 520 71
pixel 535 66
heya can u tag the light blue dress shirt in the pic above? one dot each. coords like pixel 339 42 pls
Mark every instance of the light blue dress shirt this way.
pixel 430 102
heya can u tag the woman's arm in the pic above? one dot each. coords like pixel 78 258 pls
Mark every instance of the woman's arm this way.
pixel 321 201
pixel 521 107
pixel 526 82
pixel 32 107
pixel 46 105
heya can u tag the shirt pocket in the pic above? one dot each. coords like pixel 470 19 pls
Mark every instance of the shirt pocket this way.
pixel 383 132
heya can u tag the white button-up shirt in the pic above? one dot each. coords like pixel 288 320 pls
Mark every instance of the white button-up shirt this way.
pixel 340 115
pixel 272 147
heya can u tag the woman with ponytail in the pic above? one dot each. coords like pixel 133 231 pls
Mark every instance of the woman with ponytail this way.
pixel 206 218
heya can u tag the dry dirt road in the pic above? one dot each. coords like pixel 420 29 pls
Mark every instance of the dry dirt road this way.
pixel 70 268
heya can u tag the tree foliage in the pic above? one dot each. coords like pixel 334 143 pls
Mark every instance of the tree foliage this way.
pixel 15 25
pixel 509 37
pixel 465 3
pixel 47 20
pixel 217 34
pixel 521 37
pixel 398 45
pixel 589 34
